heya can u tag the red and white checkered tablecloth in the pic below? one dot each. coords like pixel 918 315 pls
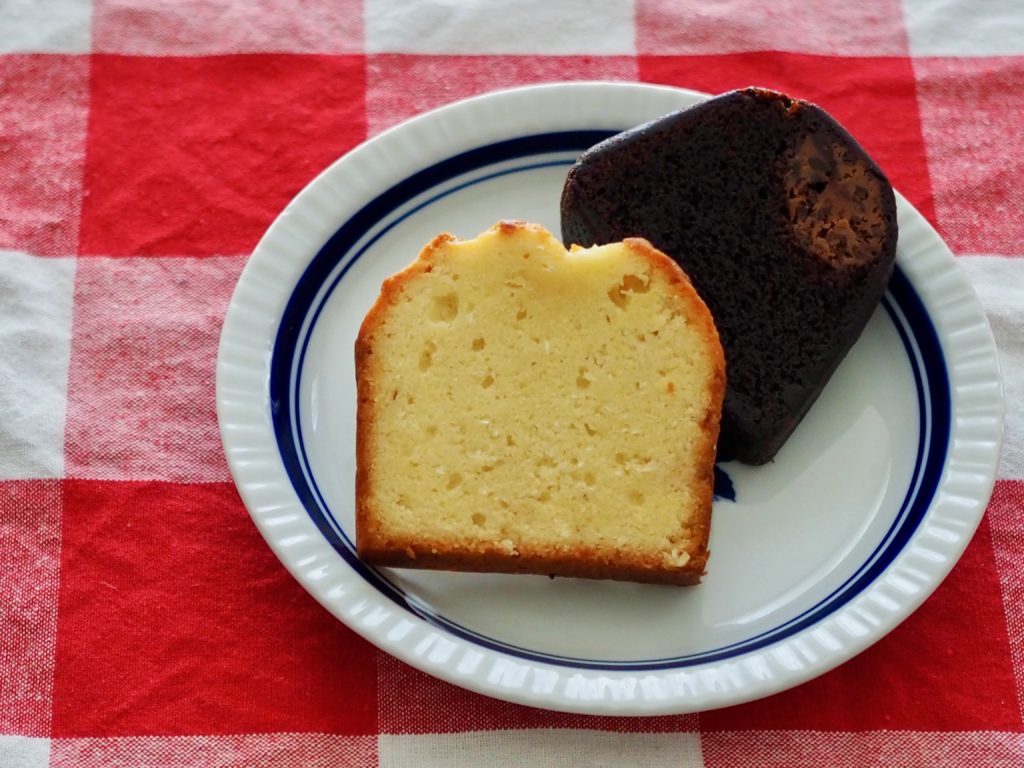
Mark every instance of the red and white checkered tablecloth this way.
pixel 145 145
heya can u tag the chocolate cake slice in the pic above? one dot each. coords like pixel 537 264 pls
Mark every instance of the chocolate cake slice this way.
pixel 785 225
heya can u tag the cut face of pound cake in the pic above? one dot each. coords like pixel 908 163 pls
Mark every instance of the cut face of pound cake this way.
pixel 783 222
pixel 527 409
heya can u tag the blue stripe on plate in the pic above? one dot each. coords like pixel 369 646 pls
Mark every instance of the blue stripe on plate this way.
pixel 902 303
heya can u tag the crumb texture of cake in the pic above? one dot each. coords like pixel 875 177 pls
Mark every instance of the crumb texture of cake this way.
pixel 524 408
pixel 783 222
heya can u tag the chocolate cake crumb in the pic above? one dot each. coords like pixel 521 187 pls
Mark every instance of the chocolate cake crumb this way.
pixel 785 225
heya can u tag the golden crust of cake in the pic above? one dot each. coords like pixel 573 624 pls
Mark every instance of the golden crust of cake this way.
pixel 527 409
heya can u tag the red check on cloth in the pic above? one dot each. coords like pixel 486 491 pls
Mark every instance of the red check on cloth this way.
pixel 146 145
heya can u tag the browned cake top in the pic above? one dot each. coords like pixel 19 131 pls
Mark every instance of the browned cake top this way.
pixel 834 202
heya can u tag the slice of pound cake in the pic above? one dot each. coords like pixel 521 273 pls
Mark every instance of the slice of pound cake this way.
pixel 527 409
pixel 783 222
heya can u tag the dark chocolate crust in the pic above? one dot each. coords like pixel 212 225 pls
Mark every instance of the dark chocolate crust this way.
pixel 785 225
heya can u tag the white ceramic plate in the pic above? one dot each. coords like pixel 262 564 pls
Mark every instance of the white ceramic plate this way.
pixel 863 513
